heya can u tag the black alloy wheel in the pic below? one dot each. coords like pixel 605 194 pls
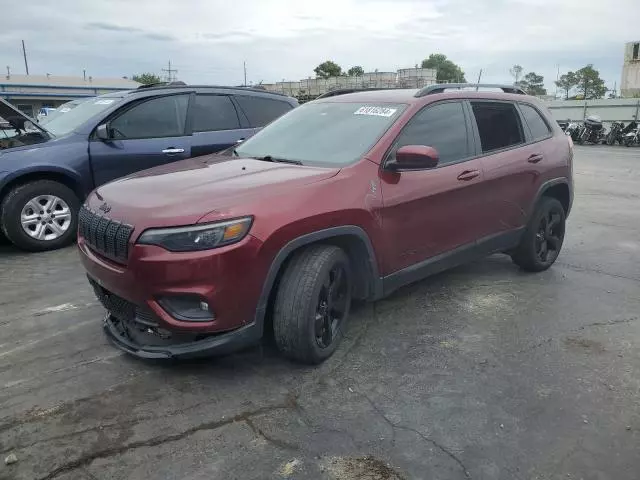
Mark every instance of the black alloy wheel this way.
pixel 549 236
pixel 542 240
pixel 332 306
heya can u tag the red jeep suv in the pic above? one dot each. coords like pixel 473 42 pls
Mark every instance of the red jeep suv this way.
pixel 347 197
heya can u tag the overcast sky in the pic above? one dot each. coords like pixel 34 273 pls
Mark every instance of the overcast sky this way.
pixel 207 40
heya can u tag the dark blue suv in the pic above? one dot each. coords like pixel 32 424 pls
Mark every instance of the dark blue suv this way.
pixel 47 171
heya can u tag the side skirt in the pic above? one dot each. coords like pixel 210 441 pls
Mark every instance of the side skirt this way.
pixel 458 256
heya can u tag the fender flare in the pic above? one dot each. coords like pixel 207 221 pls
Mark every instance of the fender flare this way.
pixel 307 239
pixel 546 186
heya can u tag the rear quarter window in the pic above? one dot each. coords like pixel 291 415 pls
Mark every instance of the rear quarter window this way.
pixel 537 124
pixel 260 111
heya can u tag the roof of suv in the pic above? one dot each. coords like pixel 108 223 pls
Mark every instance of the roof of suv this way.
pixel 411 96
pixel 169 88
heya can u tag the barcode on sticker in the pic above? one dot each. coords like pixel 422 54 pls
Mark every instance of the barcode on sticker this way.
pixel 375 111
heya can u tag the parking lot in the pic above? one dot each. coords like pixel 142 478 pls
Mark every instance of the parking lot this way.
pixel 483 372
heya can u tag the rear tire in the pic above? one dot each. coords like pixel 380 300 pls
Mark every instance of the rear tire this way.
pixel 54 208
pixel 312 304
pixel 542 240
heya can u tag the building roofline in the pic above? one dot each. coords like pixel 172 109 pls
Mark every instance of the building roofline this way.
pixel 62 87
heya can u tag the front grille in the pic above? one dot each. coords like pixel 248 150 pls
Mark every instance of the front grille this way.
pixel 107 237
pixel 123 309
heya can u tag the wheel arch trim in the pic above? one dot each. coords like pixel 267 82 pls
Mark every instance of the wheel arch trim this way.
pixel 550 184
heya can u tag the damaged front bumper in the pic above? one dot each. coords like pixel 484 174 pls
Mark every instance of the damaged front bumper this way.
pixel 148 343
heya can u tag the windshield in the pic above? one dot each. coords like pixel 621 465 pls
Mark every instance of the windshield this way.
pixel 62 124
pixel 64 108
pixel 323 133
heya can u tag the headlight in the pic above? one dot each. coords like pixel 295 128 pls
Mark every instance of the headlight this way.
pixel 197 237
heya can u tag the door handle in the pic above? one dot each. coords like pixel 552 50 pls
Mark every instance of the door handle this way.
pixel 535 158
pixel 173 151
pixel 240 140
pixel 468 175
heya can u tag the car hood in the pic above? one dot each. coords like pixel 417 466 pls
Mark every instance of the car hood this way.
pixel 12 115
pixel 184 192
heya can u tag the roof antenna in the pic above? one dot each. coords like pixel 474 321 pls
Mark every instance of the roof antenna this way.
pixel 478 82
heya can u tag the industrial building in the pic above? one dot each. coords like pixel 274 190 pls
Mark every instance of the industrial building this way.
pixel 30 93
pixel 630 85
pixel 312 87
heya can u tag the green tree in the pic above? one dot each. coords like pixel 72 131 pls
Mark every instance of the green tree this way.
pixel 447 71
pixel 328 69
pixel 567 82
pixel 146 78
pixel 356 71
pixel 589 83
pixel 533 84
pixel 516 72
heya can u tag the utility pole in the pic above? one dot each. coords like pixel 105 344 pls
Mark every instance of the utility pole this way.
pixel 24 54
pixel 84 74
pixel 245 73
pixel 478 82
pixel 8 72
pixel 557 80
pixel 170 71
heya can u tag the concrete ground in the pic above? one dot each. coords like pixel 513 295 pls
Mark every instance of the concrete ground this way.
pixel 483 372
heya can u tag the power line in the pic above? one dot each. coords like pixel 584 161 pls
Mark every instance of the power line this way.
pixel 170 71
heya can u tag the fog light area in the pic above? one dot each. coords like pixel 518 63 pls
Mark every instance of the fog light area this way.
pixel 191 308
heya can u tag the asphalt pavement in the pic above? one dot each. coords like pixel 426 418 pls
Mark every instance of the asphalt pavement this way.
pixel 483 372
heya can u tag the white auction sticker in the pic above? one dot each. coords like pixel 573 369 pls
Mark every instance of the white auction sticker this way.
pixel 103 102
pixel 376 111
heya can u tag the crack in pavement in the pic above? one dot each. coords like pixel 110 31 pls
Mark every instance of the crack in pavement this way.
pixel 427 439
pixel 86 459
pixel 609 323
pixel 578 268
pixel 274 441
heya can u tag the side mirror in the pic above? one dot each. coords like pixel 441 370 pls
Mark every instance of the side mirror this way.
pixel 103 132
pixel 414 157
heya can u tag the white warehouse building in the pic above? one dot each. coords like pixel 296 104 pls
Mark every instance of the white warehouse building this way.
pixel 630 85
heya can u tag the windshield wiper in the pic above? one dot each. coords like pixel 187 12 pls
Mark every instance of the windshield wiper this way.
pixel 271 158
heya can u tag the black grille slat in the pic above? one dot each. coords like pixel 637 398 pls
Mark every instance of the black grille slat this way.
pixel 107 237
pixel 110 238
pixel 103 223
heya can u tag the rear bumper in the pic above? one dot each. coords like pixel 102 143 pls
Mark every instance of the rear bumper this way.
pixel 221 344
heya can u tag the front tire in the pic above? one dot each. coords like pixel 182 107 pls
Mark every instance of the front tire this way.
pixel 542 240
pixel 312 304
pixel 40 215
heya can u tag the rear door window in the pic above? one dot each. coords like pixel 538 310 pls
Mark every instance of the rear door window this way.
pixel 498 124
pixel 441 126
pixel 159 117
pixel 537 125
pixel 260 110
pixel 211 113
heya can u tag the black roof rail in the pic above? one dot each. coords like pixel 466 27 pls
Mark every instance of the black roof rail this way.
pixel 344 91
pixel 177 83
pixel 441 87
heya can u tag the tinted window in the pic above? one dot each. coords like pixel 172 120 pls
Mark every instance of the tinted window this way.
pixel 324 133
pixel 213 112
pixel 261 111
pixel 441 126
pixel 537 125
pixel 498 125
pixel 156 118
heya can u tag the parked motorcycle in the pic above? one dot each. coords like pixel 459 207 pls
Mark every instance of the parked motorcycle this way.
pixel 632 137
pixel 573 130
pixel 592 130
pixel 615 134
pixel 564 124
